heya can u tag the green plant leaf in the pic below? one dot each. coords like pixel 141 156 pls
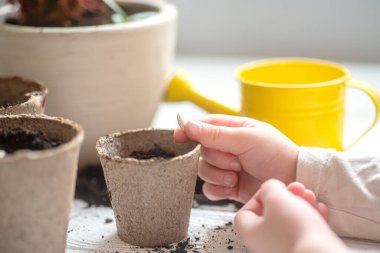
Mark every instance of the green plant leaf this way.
pixel 120 16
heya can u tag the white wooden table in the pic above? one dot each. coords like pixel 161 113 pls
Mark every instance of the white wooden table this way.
pixel 209 229
pixel 94 230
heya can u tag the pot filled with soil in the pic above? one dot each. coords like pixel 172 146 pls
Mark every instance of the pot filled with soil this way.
pixel 104 68
pixel 21 96
pixel 151 181
pixel 38 164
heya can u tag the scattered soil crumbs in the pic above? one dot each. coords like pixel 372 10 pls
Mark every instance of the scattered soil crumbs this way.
pixel 91 186
pixel 12 140
pixel 108 220
pixel 155 152
pixel 181 247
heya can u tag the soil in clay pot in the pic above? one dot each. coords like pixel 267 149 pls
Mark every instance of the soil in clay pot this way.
pixel 12 140
pixel 38 163
pixel 58 17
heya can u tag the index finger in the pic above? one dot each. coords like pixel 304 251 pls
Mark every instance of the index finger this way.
pixel 217 120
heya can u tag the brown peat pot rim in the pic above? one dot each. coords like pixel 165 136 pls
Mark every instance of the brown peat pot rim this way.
pixel 39 89
pixel 38 154
pixel 103 153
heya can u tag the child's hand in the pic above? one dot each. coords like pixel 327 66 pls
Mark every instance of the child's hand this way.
pixel 278 219
pixel 238 154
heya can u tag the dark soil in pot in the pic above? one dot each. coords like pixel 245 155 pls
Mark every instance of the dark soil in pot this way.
pixel 156 152
pixel 14 101
pixel 12 140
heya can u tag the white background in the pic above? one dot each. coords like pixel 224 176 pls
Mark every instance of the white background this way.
pixel 338 29
pixel 333 29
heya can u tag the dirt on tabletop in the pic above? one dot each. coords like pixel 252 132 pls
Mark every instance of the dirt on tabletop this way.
pixel 12 140
pixel 91 186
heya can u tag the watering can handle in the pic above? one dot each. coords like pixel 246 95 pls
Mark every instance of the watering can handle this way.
pixel 373 95
pixel 180 89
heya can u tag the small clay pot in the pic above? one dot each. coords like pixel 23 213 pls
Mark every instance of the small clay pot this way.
pixel 151 198
pixel 37 186
pixel 21 96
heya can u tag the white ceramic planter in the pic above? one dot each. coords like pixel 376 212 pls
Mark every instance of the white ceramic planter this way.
pixel 20 96
pixel 37 187
pixel 107 77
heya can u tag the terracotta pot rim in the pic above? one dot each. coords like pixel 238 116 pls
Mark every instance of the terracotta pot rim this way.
pixel 42 91
pixel 39 154
pixel 104 155
pixel 167 12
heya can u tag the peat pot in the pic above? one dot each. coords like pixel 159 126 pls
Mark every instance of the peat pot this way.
pixel 151 196
pixel 20 96
pixel 36 186
pixel 97 73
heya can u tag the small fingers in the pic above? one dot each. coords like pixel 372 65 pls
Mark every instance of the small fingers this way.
pixel 299 190
pixel 216 176
pixel 296 188
pixel 213 119
pixel 270 188
pixel 220 159
pixel 180 136
pixel 217 192
pixel 323 210
pixel 232 140
pixel 309 196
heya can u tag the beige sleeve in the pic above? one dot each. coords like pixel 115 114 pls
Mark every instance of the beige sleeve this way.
pixel 350 187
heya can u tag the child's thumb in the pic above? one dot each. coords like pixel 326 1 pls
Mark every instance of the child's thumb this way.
pixel 222 138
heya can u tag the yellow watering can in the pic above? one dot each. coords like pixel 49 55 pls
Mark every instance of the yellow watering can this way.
pixel 304 98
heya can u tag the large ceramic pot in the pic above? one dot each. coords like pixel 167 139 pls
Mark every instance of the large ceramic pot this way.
pixel 38 164
pixel 107 77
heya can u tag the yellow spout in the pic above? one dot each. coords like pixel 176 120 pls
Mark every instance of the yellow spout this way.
pixel 179 89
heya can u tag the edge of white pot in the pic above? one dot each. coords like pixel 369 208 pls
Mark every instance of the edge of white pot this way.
pixel 166 13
